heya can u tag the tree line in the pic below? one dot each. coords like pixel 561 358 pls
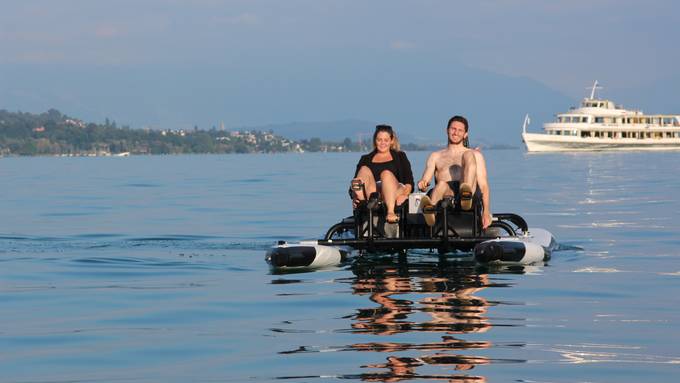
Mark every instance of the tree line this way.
pixel 53 133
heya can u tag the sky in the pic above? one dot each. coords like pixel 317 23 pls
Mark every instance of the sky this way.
pixel 177 64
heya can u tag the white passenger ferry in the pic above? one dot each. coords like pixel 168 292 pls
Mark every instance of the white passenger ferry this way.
pixel 601 125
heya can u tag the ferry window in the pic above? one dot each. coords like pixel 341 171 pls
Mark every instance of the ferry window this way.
pixel 585 134
pixel 560 119
pixel 598 120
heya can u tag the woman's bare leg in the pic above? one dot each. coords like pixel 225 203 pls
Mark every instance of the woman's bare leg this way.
pixel 389 188
pixel 366 176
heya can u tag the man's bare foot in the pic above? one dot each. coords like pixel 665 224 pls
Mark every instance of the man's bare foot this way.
pixel 428 210
pixel 465 196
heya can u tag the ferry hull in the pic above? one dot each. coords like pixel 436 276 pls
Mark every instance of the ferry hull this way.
pixel 536 142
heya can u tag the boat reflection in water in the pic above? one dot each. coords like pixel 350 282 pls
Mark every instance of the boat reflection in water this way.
pixel 421 297
pixel 422 310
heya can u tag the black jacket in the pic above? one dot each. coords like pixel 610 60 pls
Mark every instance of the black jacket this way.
pixel 404 174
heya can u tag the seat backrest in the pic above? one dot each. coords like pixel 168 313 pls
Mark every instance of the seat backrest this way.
pixel 462 223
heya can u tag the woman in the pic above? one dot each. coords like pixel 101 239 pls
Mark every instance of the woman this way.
pixel 386 170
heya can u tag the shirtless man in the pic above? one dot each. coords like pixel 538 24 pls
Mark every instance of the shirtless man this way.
pixel 456 163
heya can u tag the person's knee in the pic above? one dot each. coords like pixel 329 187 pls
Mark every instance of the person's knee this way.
pixel 387 175
pixel 365 173
pixel 469 158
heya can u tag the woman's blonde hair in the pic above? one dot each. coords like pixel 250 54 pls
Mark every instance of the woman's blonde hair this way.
pixel 386 128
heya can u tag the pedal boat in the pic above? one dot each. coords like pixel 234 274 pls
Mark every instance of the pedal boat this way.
pixel 508 240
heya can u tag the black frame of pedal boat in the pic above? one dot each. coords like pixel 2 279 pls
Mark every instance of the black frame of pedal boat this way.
pixel 443 244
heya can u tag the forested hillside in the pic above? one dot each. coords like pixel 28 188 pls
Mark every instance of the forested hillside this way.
pixel 53 133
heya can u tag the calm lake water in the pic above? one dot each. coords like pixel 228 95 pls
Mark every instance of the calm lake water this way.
pixel 147 269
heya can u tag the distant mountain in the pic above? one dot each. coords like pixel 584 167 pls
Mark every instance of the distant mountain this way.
pixel 331 96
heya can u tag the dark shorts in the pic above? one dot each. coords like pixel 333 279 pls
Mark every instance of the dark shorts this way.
pixel 455 187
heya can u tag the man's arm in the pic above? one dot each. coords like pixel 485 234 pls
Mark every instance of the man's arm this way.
pixel 428 173
pixel 483 184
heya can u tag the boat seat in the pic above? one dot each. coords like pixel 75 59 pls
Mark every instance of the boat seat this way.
pixel 460 223
pixel 376 208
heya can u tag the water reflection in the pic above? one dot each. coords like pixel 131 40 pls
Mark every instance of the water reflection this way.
pixel 423 313
pixel 442 298
pixel 447 296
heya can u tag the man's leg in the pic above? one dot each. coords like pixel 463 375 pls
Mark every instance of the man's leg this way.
pixel 441 190
pixel 469 184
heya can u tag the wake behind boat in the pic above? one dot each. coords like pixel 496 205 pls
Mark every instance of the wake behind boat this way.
pixel 599 124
